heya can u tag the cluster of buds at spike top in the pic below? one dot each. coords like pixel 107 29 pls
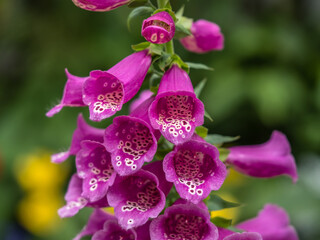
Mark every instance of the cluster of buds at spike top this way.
pixel 99 5
pixel 116 166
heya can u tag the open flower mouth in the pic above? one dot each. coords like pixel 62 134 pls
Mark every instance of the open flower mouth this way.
pixel 175 115
pixel 192 169
pixel 157 23
pixel 181 226
pixel 111 99
pixel 146 197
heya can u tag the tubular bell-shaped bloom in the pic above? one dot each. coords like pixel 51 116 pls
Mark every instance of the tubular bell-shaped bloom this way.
pixel 106 91
pixel 195 169
pixel 176 111
pixel 157 169
pixel 243 236
pixel 183 221
pixel 136 198
pixel 131 141
pixel 72 94
pixel 272 223
pixel 94 167
pixel 269 159
pixel 206 36
pixel 112 230
pixel 99 5
pixel 159 28
pixel 83 132
pixel 95 223
pixel 75 200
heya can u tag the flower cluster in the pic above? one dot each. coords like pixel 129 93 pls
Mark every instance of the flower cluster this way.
pixel 133 164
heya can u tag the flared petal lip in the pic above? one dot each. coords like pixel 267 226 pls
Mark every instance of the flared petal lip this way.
pixel 95 75
pixel 148 156
pixel 198 108
pixel 213 182
pixel 115 198
pixel 157 225
pixel 106 8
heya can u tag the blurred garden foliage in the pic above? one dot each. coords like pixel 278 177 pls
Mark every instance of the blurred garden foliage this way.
pixel 267 77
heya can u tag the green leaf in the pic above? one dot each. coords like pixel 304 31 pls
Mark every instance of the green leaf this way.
pixel 217 139
pixel 198 89
pixel 223 154
pixel 177 60
pixel 137 15
pixel 199 66
pixel 156 49
pixel 221 222
pixel 202 131
pixel 207 115
pixel 215 203
pixel 137 3
pixel 140 46
pixel 181 31
pixel 164 61
pixel 180 12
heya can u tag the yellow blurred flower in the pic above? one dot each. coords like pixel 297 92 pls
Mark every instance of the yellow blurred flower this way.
pixel 35 171
pixel 42 182
pixel 229 213
pixel 37 211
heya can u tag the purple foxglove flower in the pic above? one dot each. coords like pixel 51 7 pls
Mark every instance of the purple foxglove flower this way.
pixel 131 140
pixel 159 28
pixel 144 95
pixel 269 159
pixel 112 230
pixel 272 223
pixel 143 232
pixel 176 111
pixel 83 132
pixel 95 223
pixel 183 221
pixel 106 91
pixel 157 169
pixel 75 201
pixel 99 5
pixel 72 94
pixel 206 36
pixel 94 167
pixel 136 198
pixel 243 236
pixel 195 169
pixel 226 234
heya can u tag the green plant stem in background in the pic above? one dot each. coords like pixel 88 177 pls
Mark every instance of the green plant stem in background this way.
pixel 161 3
pixel 170 47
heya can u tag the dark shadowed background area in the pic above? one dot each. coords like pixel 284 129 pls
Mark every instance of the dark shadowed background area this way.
pixel 267 77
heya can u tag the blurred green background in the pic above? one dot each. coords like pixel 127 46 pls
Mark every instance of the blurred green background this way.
pixel 267 77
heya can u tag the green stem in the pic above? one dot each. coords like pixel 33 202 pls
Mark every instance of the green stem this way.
pixel 170 47
pixel 161 3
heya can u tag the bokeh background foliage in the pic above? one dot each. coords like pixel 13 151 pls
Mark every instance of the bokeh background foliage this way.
pixel 267 77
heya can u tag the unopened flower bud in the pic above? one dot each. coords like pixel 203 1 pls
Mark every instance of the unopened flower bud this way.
pixel 158 28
